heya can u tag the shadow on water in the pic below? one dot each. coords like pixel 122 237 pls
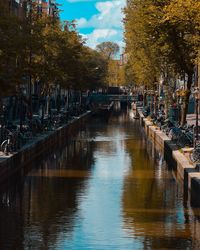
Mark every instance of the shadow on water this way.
pixel 34 203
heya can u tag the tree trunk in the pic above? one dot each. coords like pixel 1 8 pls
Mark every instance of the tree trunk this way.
pixel 47 105
pixel 20 113
pixel 186 99
pixel 80 98
pixel 30 98
pixel 43 109
pixel 1 119
pixel 14 114
pixel 67 101
pixel 1 106
pixel 145 99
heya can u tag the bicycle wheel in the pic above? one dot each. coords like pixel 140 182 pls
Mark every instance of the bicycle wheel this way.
pixel 180 141
pixel 184 141
pixel 4 146
pixel 188 141
pixel 192 158
pixel 195 156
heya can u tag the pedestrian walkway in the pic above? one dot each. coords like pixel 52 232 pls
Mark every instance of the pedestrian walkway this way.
pixel 3 156
pixel 191 119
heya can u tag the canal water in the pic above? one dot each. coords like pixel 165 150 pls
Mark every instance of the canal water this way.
pixel 105 190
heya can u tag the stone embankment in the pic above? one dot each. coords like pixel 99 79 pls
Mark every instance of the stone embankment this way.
pixel 176 158
pixel 45 142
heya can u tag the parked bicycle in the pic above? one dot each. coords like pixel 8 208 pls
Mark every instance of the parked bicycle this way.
pixel 195 154
pixel 185 139
pixel 183 136
pixel 166 126
pixel 14 140
pixel 159 119
pixel 8 145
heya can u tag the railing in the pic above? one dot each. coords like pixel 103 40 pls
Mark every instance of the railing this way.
pixel 110 98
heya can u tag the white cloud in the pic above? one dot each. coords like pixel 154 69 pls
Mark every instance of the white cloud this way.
pixel 107 23
pixel 81 22
pixel 101 35
pixel 76 1
pixel 110 16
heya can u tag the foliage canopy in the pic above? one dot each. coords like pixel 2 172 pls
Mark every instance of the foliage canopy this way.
pixel 42 48
pixel 162 40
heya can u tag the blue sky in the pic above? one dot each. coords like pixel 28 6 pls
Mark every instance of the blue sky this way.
pixel 97 20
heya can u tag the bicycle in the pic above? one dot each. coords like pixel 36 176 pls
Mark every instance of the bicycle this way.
pixel 185 139
pixel 14 141
pixel 166 126
pixel 195 155
pixel 7 146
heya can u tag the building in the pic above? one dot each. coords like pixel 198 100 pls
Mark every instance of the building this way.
pixel 123 59
pixel 14 6
pixel 20 7
pixel 48 7
pixel 53 9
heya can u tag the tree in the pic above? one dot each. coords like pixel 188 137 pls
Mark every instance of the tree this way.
pixel 182 19
pixel 10 50
pixel 47 52
pixel 143 60
pixel 161 41
pixel 115 73
pixel 108 49
pixel 94 68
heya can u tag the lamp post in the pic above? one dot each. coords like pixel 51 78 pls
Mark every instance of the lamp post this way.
pixel 178 93
pixel 144 98
pixel 30 21
pixel 155 102
pixel 152 101
pixel 196 96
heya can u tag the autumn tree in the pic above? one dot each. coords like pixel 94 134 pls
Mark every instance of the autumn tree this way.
pixel 9 50
pixel 143 60
pixel 108 49
pixel 182 21
pixel 94 68
pixel 45 51
pixel 162 40
pixel 115 73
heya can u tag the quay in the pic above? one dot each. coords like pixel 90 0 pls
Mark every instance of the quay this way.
pixel 176 158
pixel 45 142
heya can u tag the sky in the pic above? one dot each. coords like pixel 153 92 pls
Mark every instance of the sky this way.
pixel 97 20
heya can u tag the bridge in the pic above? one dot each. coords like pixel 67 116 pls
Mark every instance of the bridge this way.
pixel 103 98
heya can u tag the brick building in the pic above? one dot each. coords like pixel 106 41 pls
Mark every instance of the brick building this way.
pixel 14 6
pixel 19 7
pixel 48 7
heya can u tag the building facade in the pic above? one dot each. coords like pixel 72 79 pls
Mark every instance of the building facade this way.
pixel 20 7
pixel 14 6
pixel 48 7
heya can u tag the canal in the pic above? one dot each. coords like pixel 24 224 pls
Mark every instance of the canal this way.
pixel 105 190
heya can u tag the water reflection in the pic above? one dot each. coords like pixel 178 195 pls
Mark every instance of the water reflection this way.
pixel 106 189
pixel 153 206
pixel 34 209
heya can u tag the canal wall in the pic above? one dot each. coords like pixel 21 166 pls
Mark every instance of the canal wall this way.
pixel 177 159
pixel 16 162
